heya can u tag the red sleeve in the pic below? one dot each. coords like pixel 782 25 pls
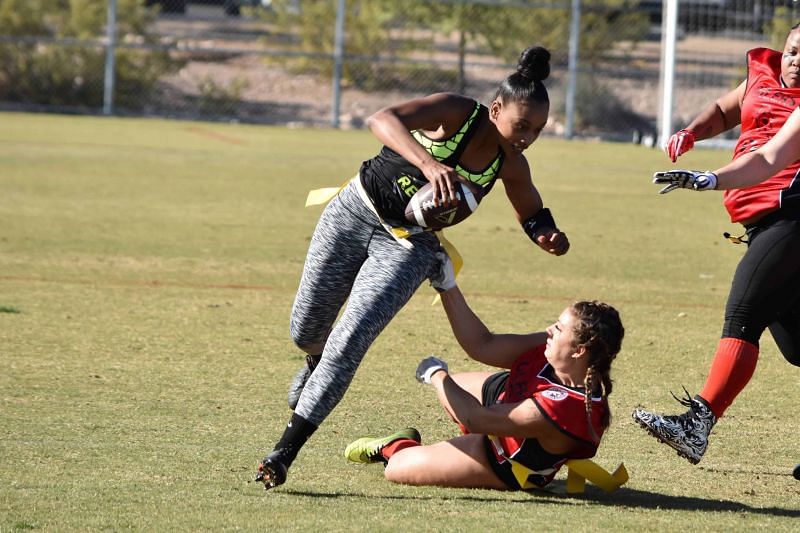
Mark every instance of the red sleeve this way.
pixel 566 409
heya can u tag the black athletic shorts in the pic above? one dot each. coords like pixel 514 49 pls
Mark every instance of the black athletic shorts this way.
pixel 492 387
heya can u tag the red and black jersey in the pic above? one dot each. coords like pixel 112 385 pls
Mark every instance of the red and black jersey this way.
pixel 532 377
pixel 765 107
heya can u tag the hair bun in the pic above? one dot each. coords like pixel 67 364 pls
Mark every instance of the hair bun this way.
pixel 534 63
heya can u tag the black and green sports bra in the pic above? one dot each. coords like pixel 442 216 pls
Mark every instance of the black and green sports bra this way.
pixel 390 180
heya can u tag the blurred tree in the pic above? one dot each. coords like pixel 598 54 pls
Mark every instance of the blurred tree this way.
pixel 778 27
pixel 38 73
pixel 499 28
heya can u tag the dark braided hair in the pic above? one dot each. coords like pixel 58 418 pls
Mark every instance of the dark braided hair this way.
pixel 533 67
pixel 599 329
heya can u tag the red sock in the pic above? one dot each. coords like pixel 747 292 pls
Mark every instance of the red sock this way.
pixel 395 446
pixel 731 370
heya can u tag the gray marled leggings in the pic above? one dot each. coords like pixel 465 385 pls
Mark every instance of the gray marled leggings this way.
pixel 351 256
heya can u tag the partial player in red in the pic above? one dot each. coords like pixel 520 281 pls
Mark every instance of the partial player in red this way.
pixel 366 259
pixel 761 193
pixel 548 404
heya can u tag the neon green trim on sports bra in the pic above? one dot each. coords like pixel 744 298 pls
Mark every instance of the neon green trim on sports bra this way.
pixel 483 178
pixel 444 148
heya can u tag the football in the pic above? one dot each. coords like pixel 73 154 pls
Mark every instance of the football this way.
pixel 422 211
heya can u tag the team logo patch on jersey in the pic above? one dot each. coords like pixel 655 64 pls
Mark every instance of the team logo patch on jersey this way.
pixel 554 394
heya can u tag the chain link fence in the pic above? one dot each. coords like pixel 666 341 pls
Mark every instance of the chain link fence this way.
pixel 277 61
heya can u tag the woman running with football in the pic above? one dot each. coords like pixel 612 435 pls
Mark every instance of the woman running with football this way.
pixel 547 406
pixel 761 193
pixel 366 253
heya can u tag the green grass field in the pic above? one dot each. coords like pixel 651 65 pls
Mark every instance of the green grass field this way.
pixel 147 270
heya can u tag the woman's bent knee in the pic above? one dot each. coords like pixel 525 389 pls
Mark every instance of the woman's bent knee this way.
pixel 407 467
pixel 311 342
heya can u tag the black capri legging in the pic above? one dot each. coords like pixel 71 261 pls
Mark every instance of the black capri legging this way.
pixel 765 291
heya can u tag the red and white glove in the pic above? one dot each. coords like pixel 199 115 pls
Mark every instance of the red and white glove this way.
pixel 680 143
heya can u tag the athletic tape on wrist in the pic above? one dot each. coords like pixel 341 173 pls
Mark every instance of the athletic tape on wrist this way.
pixel 536 223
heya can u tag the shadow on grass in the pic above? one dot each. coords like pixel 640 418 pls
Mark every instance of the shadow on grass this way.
pixel 642 499
pixel 624 497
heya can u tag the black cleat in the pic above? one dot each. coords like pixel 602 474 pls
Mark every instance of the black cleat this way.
pixel 271 472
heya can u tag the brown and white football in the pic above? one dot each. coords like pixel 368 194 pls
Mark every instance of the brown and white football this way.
pixel 422 211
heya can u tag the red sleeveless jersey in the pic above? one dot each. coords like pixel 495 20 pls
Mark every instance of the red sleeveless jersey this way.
pixel 532 377
pixel 765 108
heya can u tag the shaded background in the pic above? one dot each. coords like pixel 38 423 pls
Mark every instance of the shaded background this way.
pixel 273 61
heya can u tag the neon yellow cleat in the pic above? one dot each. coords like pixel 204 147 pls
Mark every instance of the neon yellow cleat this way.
pixel 368 449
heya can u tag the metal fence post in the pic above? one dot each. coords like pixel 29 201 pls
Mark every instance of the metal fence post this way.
pixel 572 73
pixel 338 58
pixel 111 35
pixel 669 33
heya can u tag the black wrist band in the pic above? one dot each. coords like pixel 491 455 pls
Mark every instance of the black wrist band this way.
pixel 541 220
